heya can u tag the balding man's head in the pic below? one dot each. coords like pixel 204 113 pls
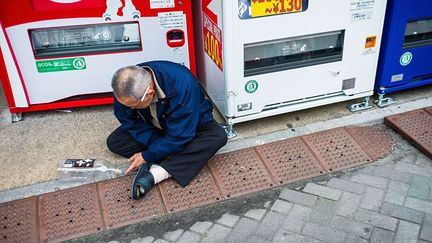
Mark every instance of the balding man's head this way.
pixel 130 81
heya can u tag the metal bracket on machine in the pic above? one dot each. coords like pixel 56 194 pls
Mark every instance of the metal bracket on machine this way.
pixel 17 117
pixel 383 102
pixel 229 131
pixel 360 106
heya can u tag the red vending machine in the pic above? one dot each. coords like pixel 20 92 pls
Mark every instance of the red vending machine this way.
pixel 62 53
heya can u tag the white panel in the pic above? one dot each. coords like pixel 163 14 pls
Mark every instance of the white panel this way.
pixel 283 86
pixel 12 72
pixel 48 87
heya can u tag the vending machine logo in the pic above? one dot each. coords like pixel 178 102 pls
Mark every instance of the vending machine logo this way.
pixel 406 58
pixel 251 86
pixel 128 9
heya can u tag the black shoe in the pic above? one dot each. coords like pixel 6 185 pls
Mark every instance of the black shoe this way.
pixel 143 180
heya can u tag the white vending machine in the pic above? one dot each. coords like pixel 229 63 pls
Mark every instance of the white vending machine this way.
pixel 258 58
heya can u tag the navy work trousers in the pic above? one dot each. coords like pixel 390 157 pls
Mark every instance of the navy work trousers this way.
pixel 183 166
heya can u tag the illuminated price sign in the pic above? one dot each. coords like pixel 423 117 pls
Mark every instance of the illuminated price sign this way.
pixel 213 41
pixel 261 8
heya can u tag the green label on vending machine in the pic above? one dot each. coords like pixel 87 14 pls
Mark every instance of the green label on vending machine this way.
pixel 58 65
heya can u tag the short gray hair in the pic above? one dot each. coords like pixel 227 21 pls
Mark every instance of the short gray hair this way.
pixel 130 81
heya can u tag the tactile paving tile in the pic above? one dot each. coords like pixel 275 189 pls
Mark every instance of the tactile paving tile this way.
pixel 240 172
pixel 290 160
pixel 120 209
pixel 416 126
pixel 336 149
pixel 69 213
pixel 376 142
pixel 201 190
pixel 429 110
pixel 18 222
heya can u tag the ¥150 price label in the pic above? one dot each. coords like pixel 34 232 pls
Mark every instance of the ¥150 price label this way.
pixel 213 41
pixel 273 7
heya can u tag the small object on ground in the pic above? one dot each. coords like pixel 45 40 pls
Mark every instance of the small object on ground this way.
pixel 86 170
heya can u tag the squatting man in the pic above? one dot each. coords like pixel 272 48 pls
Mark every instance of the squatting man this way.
pixel 167 127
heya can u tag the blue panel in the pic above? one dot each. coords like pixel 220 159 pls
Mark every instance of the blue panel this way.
pixel 396 70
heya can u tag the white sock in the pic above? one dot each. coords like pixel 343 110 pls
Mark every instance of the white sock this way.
pixel 159 173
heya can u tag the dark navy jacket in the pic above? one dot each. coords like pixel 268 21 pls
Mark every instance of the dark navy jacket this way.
pixel 180 113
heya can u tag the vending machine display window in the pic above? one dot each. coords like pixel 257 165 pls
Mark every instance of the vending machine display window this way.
pixel 418 33
pixel 291 53
pixel 88 39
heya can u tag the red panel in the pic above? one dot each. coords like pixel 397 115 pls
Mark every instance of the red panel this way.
pixel 67 4
pixel 240 172
pixel 69 213
pixel 290 160
pixel 88 8
pixel 5 81
pixel 376 142
pixel 64 104
pixel 336 149
pixel 18 222
pixel 201 191
pixel 416 126
pixel 118 207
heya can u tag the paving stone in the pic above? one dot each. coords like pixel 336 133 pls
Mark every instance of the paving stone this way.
pixel 351 226
pixel 366 170
pixel 412 169
pixel 245 228
pixel 161 241
pixel 372 199
pixel 407 232
pixel 256 239
pixel 348 204
pixel 173 235
pixel 396 193
pixel 298 197
pixel 323 233
pixel 323 211
pixel 426 231
pixel 351 238
pixel 347 186
pixel 376 219
pixel 228 220
pixel 270 225
pixel 423 241
pixel 217 233
pixel 322 191
pixel 381 236
pixel 189 237
pixel 370 180
pixel 201 227
pixel 297 218
pixel 267 204
pixel 408 159
pixel 256 214
pixel 148 239
pixel 401 212
pixel 284 236
pixel 418 204
pixel 281 206
pixel 113 241
pixel 392 174
pixel 419 187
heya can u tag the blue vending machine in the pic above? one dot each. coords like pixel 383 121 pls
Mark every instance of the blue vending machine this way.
pixel 406 50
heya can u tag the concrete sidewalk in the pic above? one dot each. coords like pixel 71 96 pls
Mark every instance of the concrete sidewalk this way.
pixel 388 201
pixel 30 149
